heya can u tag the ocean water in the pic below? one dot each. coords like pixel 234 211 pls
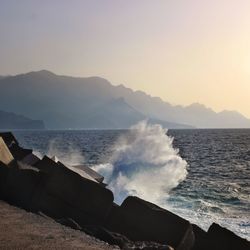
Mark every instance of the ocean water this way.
pixel 201 175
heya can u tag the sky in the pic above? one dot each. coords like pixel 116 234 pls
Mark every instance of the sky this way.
pixel 183 51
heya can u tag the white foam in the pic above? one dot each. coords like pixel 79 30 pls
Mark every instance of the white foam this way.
pixel 145 164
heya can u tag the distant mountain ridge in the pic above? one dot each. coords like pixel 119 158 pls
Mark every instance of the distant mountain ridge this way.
pixel 93 102
pixel 14 121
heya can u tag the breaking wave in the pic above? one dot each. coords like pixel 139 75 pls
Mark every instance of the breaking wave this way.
pixel 144 163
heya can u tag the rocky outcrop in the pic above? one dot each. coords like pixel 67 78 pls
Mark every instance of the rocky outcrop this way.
pixel 81 201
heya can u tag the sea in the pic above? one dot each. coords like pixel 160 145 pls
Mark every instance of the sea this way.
pixel 202 175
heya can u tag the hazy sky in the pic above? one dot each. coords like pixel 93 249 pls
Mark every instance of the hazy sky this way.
pixel 184 51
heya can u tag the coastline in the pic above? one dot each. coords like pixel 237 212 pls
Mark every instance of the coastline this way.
pixel 80 200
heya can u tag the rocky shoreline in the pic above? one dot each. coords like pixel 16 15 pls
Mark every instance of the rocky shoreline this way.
pixel 78 198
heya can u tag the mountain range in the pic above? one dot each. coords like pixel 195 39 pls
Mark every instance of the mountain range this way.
pixel 13 121
pixel 93 102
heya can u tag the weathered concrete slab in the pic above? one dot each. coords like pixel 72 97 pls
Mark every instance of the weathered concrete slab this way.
pixel 200 238
pixel 82 170
pixel 221 238
pixel 140 220
pixel 9 138
pixel 82 173
pixel 85 197
pixel 19 153
pixel 20 186
pixel 5 155
pixel 122 241
pixel 90 172
pixel 4 169
pixel 12 144
pixel 30 159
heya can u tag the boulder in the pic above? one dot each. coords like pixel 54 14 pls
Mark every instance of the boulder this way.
pixel 140 220
pixel 30 159
pixel 8 138
pixel 81 173
pixel 200 238
pixel 83 200
pixel 5 155
pixel 219 238
pixel 106 235
pixel 82 170
pixel 144 245
pixel 20 186
pixel 122 241
pixel 68 222
pixel 17 152
pixel 90 172
pixel 50 205
pixel 4 169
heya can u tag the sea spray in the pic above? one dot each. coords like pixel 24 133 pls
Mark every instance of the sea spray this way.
pixel 66 152
pixel 144 163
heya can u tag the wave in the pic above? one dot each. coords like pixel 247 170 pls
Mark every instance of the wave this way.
pixel 144 163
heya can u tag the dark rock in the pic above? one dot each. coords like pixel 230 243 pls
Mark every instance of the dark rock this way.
pixel 20 186
pixel 68 222
pixel 12 144
pixel 82 173
pixel 200 237
pixel 91 172
pixel 220 238
pixel 9 138
pixel 4 169
pixel 82 170
pixel 144 245
pixel 50 205
pixel 30 159
pixel 47 165
pixel 21 165
pixel 105 235
pixel 85 201
pixel 140 220
pixel 18 152
pixel 122 241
